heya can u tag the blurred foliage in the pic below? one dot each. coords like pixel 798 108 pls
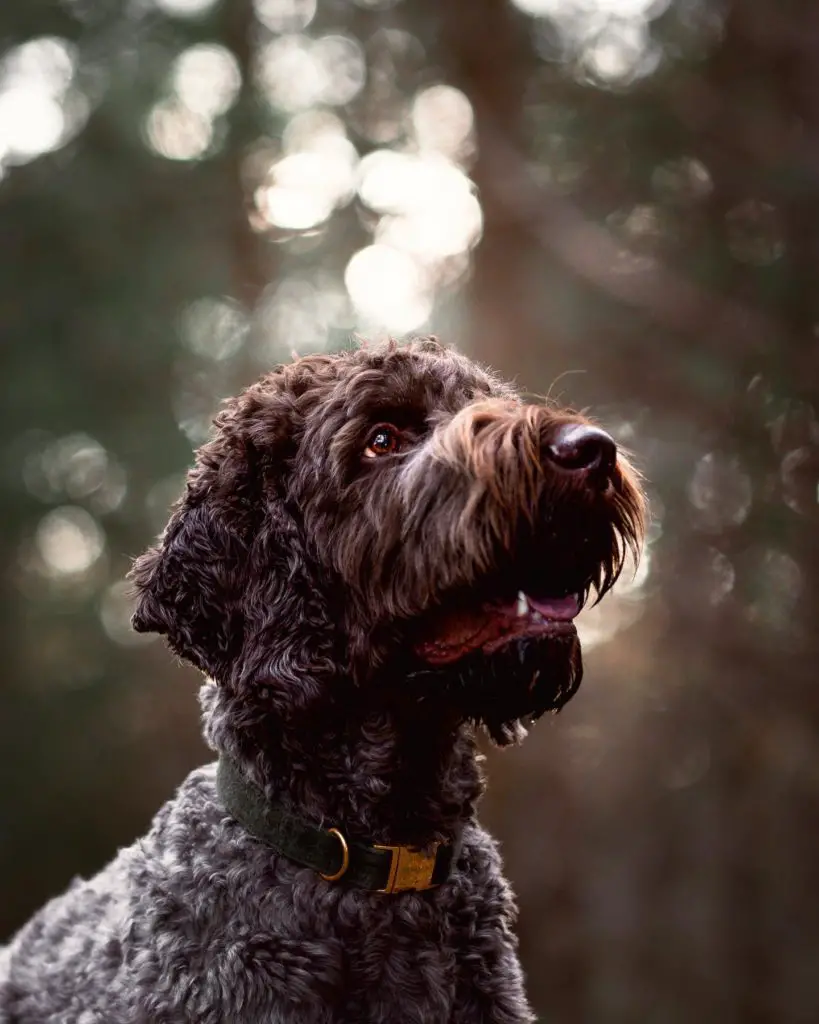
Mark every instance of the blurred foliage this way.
pixel 612 200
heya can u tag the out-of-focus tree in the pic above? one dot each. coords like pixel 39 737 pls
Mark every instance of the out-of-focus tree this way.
pixel 615 201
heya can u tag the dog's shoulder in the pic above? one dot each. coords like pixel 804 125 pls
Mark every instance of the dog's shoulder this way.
pixel 78 950
pixel 480 856
pixel 189 815
pixel 479 878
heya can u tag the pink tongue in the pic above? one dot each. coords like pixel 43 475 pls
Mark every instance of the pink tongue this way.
pixel 561 609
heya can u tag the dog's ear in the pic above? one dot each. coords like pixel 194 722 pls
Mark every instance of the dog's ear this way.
pixel 189 586
pixel 230 584
pixel 189 583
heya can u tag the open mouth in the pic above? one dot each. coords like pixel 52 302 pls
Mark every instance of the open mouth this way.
pixel 489 626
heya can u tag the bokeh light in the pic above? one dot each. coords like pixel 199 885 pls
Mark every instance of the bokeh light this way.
pixel 206 79
pixel 443 122
pixel 204 82
pixel 621 609
pixel 620 52
pixel 76 467
pixel 295 72
pixel 314 177
pixel 300 314
pixel 720 491
pixel 778 585
pixel 610 39
pixel 428 205
pixel 185 8
pixel 388 288
pixel 214 328
pixel 178 133
pixel 69 541
pixel 195 400
pixel 39 108
pixel 755 233
pixel 285 15
pixel 682 181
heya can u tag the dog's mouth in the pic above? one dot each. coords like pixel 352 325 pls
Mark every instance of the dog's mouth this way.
pixel 530 598
pixel 503 647
pixel 463 627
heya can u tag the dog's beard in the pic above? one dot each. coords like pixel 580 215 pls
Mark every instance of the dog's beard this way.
pixel 518 682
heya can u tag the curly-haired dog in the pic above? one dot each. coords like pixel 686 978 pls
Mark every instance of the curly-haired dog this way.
pixel 377 551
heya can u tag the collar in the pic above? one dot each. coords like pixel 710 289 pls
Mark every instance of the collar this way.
pixel 379 868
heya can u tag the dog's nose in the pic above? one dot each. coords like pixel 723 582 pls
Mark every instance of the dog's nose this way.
pixel 578 447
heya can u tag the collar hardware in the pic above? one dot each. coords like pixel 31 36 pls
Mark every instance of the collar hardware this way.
pixel 327 851
pixel 345 857
pixel 410 868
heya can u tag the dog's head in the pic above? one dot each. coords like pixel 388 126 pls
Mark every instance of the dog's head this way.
pixel 392 517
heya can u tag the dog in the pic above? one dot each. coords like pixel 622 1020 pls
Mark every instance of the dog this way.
pixel 378 552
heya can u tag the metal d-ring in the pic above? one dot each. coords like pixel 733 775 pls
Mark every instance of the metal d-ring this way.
pixel 345 856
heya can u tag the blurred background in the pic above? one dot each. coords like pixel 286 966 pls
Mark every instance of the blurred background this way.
pixel 614 200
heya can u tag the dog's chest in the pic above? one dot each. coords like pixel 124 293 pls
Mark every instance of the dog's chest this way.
pixel 360 959
pixel 234 932
pixel 198 923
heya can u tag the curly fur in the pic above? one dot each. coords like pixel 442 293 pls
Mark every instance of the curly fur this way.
pixel 298 577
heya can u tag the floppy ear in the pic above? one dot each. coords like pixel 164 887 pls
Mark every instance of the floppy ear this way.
pixel 231 584
pixel 189 585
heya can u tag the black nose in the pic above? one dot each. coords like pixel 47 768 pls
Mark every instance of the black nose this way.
pixel 579 447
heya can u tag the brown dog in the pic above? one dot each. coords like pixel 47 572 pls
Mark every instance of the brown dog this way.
pixel 377 551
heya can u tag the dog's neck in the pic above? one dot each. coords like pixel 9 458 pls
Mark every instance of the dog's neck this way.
pixel 394 773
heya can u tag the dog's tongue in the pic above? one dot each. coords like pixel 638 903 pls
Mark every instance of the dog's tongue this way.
pixel 561 609
pixel 465 629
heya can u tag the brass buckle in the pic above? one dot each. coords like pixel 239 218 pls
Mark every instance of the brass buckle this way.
pixel 409 868
pixel 345 857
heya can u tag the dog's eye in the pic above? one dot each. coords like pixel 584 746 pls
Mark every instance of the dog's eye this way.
pixel 384 440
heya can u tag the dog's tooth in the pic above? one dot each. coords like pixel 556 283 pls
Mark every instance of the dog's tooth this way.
pixel 523 604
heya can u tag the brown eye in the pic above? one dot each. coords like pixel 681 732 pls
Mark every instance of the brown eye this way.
pixel 384 440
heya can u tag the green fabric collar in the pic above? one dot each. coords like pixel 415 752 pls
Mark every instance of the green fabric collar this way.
pixel 377 868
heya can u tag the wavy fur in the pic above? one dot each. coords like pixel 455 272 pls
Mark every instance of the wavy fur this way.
pixel 294 575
